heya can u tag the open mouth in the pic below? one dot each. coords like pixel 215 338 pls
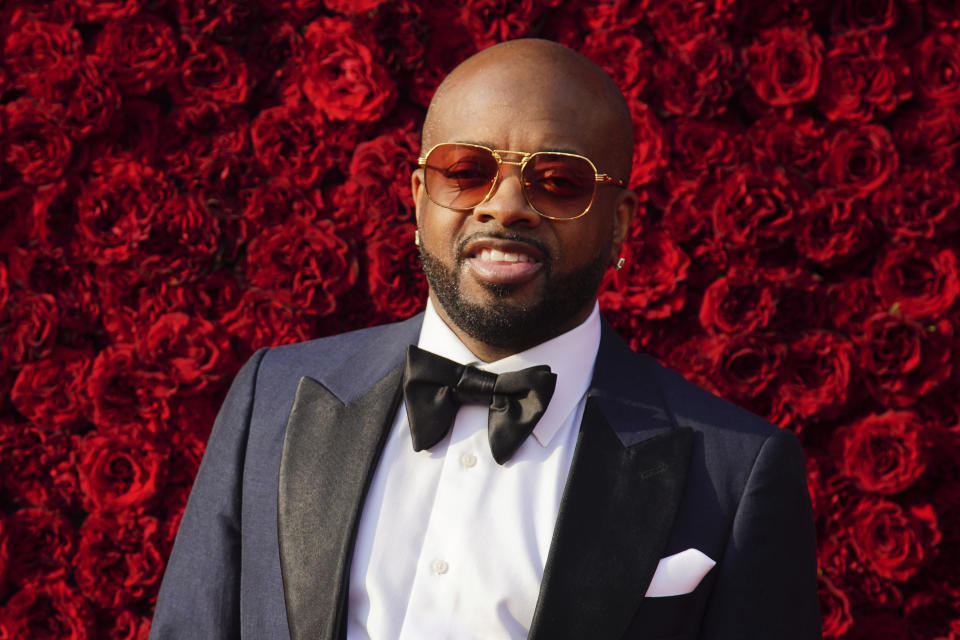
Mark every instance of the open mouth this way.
pixel 503 261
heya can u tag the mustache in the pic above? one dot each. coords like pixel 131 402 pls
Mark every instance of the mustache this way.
pixel 499 235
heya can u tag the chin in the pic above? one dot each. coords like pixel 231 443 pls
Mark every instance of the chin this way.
pixel 504 318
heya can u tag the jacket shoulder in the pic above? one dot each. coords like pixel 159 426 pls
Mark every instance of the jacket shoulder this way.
pixel 346 363
pixel 700 409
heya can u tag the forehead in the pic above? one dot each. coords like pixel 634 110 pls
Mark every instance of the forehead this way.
pixel 516 109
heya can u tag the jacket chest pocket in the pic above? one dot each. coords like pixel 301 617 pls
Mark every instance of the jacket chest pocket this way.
pixel 670 617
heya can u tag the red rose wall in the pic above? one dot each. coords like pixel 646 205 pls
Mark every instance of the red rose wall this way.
pixel 184 181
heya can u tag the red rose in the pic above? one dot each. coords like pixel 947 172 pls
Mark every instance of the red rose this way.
pixel 652 282
pixel 928 138
pixel 121 471
pixel 297 10
pixel 676 23
pixel 270 203
pixel 936 66
pixel 51 392
pixel 141 52
pixel 105 10
pixel 677 91
pixel 861 158
pixel 738 302
pixel 795 142
pixel 28 328
pixel 190 352
pixel 41 545
pixel 4 285
pixel 903 359
pixel 133 133
pixel 711 59
pixel 38 467
pixel 259 320
pixel 746 366
pixel 342 77
pixel 834 607
pixel 119 561
pixel 124 394
pixel 202 137
pixel 863 15
pixel 600 16
pixel 883 453
pixel 127 303
pixel 756 208
pixel 851 302
pixel 129 625
pixel 893 542
pixel 302 263
pixel 650 149
pixel 394 278
pixel 917 278
pixel 698 148
pixel 834 227
pixel 212 71
pixel 919 203
pixel 493 21
pixel 627 58
pixel 90 98
pixel 862 81
pixel 291 143
pixel 352 6
pixel 181 242
pixel 445 48
pixel 399 31
pixel 378 188
pixel 217 17
pixel 801 304
pixel 817 374
pixel 783 65
pixel 115 210
pixel 34 145
pixel 47 610
pixel 34 49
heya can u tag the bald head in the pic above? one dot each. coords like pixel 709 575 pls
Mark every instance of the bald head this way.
pixel 538 80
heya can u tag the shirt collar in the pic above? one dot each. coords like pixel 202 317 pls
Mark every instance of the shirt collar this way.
pixel 570 355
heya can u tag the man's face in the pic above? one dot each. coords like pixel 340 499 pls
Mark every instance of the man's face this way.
pixel 500 272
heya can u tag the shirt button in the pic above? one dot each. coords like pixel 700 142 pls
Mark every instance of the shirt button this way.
pixel 440 567
pixel 468 460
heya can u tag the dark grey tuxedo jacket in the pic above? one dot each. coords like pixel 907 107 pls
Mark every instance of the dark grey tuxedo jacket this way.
pixel 661 466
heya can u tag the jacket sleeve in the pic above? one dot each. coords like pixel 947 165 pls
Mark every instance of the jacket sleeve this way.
pixel 767 584
pixel 200 594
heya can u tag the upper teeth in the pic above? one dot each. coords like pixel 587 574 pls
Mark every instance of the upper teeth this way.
pixel 503 256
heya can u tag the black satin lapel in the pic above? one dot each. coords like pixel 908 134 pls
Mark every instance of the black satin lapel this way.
pixel 615 519
pixel 329 453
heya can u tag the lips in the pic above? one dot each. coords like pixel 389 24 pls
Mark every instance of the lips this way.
pixel 503 261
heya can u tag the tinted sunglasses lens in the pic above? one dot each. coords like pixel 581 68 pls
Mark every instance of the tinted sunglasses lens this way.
pixel 558 185
pixel 459 176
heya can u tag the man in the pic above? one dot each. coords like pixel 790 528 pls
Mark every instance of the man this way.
pixel 604 498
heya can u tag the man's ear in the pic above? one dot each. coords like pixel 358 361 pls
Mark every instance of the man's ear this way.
pixel 624 212
pixel 416 190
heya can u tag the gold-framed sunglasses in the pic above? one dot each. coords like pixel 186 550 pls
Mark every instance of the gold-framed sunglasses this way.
pixel 557 185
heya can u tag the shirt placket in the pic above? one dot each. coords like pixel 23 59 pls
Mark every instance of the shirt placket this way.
pixel 443 566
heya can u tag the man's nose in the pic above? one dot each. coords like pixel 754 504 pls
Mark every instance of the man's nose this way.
pixel 507 204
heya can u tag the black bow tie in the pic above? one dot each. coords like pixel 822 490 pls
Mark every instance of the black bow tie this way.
pixel 434 388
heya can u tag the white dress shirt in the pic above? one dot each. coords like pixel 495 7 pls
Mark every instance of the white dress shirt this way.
pixel 451 544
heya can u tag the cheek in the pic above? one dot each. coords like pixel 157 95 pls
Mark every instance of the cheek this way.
pixel 581 243
pixel 439 229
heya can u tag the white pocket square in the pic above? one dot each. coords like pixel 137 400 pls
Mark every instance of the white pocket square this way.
pixel 679 574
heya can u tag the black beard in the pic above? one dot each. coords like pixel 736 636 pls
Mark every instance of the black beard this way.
pixel 515 326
